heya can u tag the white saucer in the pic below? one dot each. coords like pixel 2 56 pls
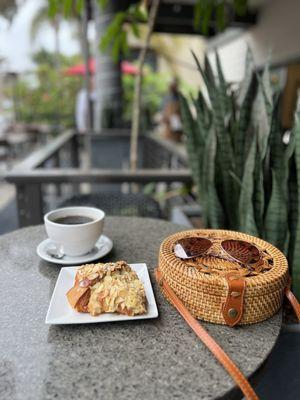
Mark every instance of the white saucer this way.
pixel 102 247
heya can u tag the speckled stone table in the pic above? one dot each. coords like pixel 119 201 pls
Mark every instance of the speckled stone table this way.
pixel 152 359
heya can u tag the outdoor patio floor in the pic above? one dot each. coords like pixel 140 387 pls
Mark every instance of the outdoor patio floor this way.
pixel 280 378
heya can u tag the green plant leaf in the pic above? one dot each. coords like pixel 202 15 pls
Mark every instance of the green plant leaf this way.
pixel 67 7
pixel 197 15
pixel 261 120
pixel 135 29
pixel 53 8
pixel 114 37
pixel 244 128
pixel 206 17
pixel 202 121
pixel 259 195
pixel 79 6
pixel 248 77
pixel 138 13
pixel 224 98
pixel 220 16
pixel 194 145
pixel 226 187
pixel 246 212
pixel 265 84
pixel 200 69
pixel 273 153
pixel 279 153
pixel 214 209
pixel 209 73
pixel 276 215
pixel 296 240
pixel 236 178
pixel 292 190
pixel 240 7
pixel 293 208
pixel 102 3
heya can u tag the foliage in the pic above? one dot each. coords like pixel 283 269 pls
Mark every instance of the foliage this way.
pixel 40 99
pixel 39 20
pixel 207 10
pixel 155 86
pixel 124 22
pixel 114 40
pixel 46 58
pixel 67 8
pixel 247 178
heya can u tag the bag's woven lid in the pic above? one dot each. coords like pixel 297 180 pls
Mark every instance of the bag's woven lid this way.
pixel 201 284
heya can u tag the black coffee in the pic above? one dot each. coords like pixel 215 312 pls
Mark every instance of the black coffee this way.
pixel 73 220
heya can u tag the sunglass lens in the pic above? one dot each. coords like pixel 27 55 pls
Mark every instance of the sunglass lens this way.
pixel 191 247
pixel 242 251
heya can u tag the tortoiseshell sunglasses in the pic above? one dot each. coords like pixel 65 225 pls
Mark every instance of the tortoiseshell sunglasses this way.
pixel 230 249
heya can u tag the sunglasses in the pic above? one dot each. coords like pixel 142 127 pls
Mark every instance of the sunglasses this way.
pixel 230 249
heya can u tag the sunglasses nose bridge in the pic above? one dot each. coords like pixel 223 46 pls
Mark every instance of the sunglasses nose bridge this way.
pixel 215 249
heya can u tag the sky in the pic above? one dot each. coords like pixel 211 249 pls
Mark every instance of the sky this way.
pixel 15 43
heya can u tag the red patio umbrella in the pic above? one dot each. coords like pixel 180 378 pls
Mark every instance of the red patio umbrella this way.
pixel 79 69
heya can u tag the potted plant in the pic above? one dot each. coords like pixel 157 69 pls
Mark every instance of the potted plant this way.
pixel 247 178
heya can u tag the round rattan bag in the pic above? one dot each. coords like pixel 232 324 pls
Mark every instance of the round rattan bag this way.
pixel 216 288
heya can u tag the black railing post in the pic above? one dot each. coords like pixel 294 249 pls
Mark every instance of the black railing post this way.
pixel 74 158
pixel 74 151
pixel 56 161
pixel 30 204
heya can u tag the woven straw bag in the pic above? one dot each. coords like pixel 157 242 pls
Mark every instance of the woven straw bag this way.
pixel 202 286
pixel 222 291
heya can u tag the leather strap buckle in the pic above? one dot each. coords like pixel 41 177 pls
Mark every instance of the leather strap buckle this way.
pixel 232 309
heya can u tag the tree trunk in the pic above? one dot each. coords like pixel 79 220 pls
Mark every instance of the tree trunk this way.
pixel 108 107
pixel 136 107
pixel 87 80
pixel 56 26
pixel 86 58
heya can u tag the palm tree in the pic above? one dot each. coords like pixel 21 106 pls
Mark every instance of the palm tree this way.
pixel 41 19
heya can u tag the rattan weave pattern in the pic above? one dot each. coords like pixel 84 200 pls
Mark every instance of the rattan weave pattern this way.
pixel 204 293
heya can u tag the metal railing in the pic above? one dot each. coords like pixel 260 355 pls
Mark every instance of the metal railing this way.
pixel 44 166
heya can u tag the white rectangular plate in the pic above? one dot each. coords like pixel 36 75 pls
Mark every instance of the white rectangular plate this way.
pixel 60 312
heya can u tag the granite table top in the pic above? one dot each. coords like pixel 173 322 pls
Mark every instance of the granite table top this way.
pixel 147 359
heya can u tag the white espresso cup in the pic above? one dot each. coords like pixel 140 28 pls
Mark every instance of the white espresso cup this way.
pixel 74 236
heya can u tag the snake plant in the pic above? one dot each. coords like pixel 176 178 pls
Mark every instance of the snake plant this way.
pixel 247 178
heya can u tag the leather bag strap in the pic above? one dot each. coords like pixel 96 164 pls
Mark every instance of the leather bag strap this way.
pixel 210 343
pixel 292 299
